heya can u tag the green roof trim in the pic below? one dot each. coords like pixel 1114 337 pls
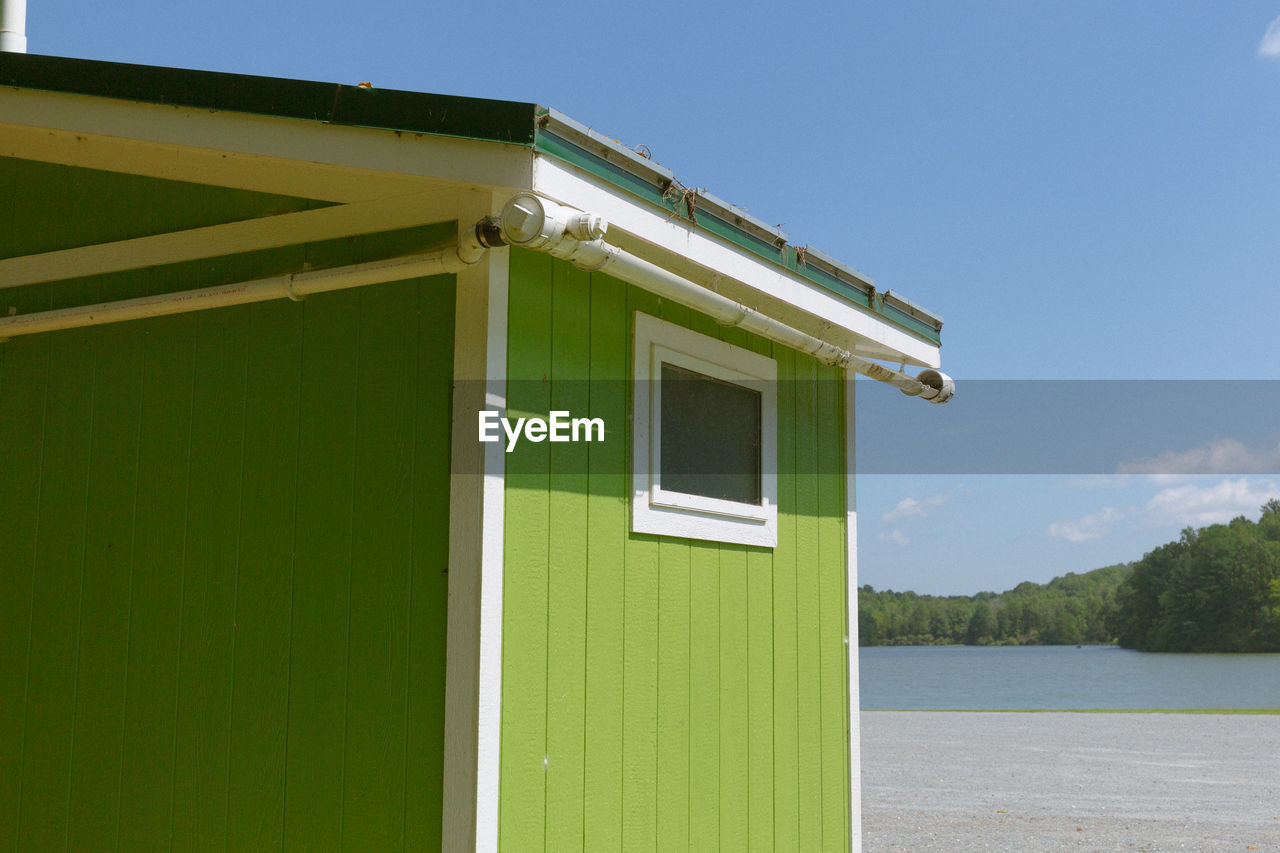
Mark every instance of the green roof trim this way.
pixel 563 149
pixel 332 103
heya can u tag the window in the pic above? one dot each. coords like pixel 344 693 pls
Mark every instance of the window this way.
pixel 704 448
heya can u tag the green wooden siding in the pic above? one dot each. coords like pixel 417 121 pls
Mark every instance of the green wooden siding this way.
pixel 662 693
pixel 223 544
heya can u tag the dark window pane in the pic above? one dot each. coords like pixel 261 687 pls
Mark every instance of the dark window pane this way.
pixel 710 437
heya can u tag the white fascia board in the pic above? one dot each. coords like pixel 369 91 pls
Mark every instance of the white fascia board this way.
pixel 245 151
pixel 671 242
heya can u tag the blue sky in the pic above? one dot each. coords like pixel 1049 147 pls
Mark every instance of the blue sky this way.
pixel 1083 189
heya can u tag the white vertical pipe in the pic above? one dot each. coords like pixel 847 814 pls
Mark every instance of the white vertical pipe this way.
pixel 13 26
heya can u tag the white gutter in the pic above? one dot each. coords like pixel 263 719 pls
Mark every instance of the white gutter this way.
pixel 13 26
pixel 527 220
pixel 295 286
pixel 537 223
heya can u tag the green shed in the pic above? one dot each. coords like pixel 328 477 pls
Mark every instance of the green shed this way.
pixel 393 471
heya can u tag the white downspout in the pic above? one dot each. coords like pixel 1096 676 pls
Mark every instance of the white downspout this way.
pixel 13 26
pixel 295 286
pixel 536 223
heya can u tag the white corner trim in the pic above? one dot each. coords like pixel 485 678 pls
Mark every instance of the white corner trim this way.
pixel 473 681
pixel 566 184
pixel 851 615
pixel 492 556
pixel 668 513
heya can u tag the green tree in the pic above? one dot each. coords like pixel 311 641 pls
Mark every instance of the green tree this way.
pixel 982 624
pixel 1213 590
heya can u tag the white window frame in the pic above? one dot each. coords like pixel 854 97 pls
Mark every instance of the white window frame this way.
pixel 668 513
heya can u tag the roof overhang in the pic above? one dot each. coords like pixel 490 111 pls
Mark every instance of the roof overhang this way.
pixel 382 160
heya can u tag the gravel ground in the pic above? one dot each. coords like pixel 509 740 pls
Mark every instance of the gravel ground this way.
pixel 962 781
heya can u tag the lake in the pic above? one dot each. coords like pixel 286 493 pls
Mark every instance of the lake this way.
pixel 1062 677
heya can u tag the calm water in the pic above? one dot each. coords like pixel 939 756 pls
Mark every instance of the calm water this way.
pixel 936 677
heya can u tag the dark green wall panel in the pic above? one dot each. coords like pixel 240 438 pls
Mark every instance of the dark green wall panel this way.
pixel 225 550
pixel 58 207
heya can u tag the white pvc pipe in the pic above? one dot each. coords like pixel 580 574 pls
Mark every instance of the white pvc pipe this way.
pixel 294 286
pixel 13 26
pixel 727 312
pixel 537 223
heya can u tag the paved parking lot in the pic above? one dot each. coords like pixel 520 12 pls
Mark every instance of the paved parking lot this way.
pixel 960 781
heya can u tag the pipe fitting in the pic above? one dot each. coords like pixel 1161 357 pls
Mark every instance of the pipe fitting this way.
pixel 586 226
pixel 587 256
pixel 938 386
pixel 532 222
pixel 488 232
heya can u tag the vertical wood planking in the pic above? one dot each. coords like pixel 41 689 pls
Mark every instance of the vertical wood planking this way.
pixel 606 537
pixel 704 677
pixel 322 574
pixel 808 648
pixel 723 690
pixel 24 378
pixel 759 650
pixel 733 697
pixel 424 771
pixel 831 596
pixel 673 674
pixel 104 618
pixel 674 620
pixel 567 561
pixel 760 693
pixel 147 504
pixel 524 614
pixel 704 697
pixel 264 579
pixel 785 707
pixel 203 733
pixel 377 673
pixel 207 610
pixel 146 784
pixel 56 592
pixel 640 675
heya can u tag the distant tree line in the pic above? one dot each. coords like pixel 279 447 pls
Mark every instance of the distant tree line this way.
pixel 1072 609
pixel 1216 589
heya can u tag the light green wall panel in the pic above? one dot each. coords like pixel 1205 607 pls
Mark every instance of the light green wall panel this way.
pixel 662 693
pixel 222 585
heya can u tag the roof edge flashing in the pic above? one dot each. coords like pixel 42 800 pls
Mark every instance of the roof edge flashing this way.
pixel 627 169
pixel 328 103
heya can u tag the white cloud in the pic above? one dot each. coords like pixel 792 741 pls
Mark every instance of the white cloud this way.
pixel 912 508
pixel 1270 44
pixel 1197 506
pixel 895 537
pixel 1097 481
pixel 1092 526
pixel 1183 502
pixel 1227 456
